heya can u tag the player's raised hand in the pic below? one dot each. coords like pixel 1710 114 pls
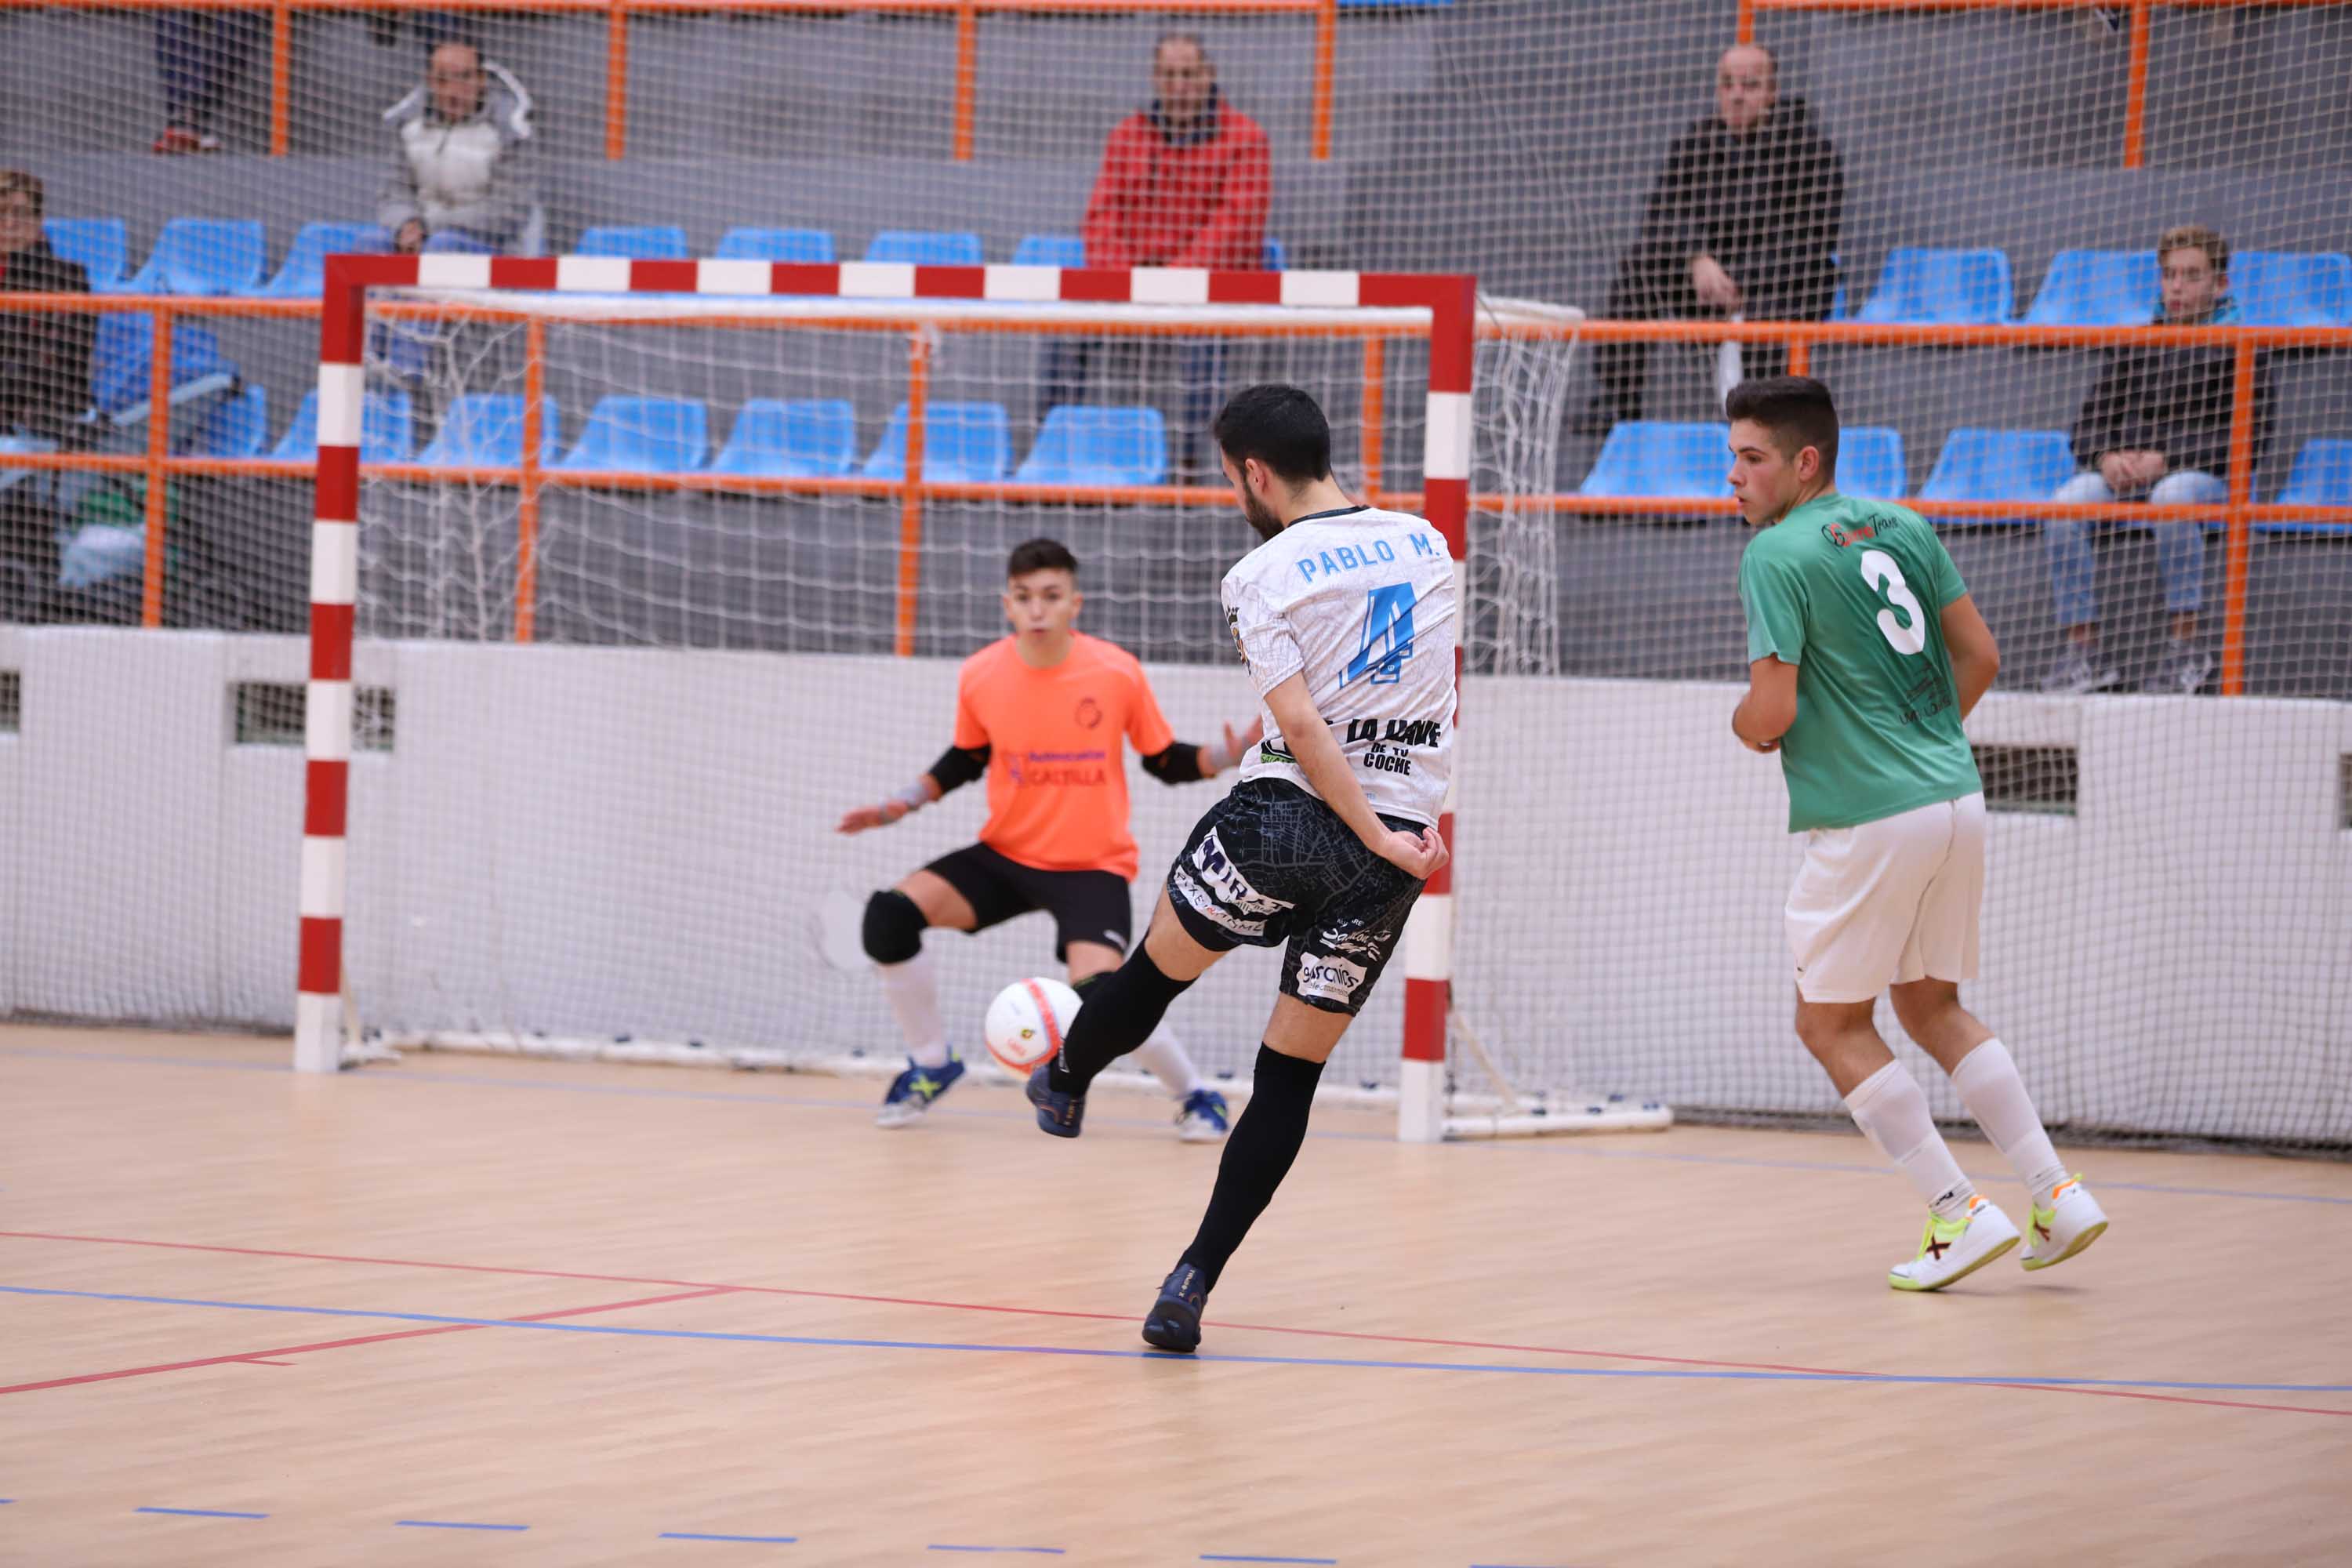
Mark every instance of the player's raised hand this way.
pixel 857 820
pixel 1237 746
pixel 1418 854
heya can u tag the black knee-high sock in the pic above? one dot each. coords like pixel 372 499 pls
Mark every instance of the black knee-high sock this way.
pixel 1119 1013
pixel 1258 1153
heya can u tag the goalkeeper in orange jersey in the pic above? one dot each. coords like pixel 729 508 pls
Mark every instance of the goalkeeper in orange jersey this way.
pixel 1040 713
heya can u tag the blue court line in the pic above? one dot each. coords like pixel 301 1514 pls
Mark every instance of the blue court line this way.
pixel 2104 1183
pixel 202 1513
pixel 453 1524
pixel 697 1535
pixel 1037 1551
pixel 1686 1374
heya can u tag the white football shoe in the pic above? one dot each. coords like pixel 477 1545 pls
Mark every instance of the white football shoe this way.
pixel 2072 1221
pixel 1955 1249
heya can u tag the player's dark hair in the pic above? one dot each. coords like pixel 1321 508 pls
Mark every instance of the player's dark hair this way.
pixel 1281 426
pixel 1040 555
pixel 1796 409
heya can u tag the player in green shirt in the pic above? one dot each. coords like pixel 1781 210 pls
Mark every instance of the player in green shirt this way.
pixel 1864 654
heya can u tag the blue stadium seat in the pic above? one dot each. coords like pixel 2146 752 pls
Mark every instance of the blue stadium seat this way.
pixel 2097 289
pixel 1870 462
pixel 1947 288
pixel 2000 465
pixel 1277 255
pixel 100 246
pixel 776 244
pixel 1050 251
pixel 642 435
pixel 962 443
pixel 484 429
pixel 1654 458
pixel 2322 476
pixel 925 247
pixel 124 351
pixel 234 427
pixel 812 435
pixel 303 274
pixel 642 242
pixel 1098 447
pixel 2291 288
pixel 387 429
pixel 203 256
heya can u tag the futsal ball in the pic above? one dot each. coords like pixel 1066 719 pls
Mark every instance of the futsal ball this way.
pixel 1027 1021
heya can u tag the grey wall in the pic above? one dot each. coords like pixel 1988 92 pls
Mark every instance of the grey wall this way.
pixel 592 842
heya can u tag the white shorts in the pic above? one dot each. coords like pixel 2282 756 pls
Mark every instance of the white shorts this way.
pixel 1889 901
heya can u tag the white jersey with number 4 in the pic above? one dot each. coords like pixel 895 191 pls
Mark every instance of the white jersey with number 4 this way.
pixel 1361 602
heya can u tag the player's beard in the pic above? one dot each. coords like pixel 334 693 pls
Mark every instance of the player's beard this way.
pixel 1260 516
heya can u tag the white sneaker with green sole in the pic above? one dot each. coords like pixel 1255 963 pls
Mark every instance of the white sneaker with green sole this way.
pixel 1955 1249
pixel 2072 1221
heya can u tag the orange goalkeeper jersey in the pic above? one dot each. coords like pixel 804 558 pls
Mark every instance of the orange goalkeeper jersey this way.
pixel 1056 773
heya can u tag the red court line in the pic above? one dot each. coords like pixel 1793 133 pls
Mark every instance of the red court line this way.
pixel 2174 1398
pixel 704 1286
pixel 359 1340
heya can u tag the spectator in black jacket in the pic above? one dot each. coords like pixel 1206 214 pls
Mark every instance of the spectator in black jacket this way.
pixel 44 357
pixel 44 386
pixel 2156 427
pixel 1741 221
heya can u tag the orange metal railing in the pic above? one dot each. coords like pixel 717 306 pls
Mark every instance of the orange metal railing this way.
pixel 966 14
pixel 2239 514
pixel 2136 88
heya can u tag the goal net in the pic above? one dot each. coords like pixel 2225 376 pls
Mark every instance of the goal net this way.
pixel 686 562
pixel 1958 214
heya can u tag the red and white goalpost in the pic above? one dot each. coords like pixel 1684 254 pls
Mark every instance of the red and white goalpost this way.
pixel 545 294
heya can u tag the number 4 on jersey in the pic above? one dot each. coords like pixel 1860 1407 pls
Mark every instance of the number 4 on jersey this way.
pixel 1388 636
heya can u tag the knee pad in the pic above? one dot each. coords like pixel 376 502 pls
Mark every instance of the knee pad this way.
pixel 893 929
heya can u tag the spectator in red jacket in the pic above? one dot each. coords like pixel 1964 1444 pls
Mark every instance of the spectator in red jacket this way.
pixel 1184 183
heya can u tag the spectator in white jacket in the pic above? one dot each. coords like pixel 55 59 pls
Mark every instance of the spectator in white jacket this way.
pixel 461 176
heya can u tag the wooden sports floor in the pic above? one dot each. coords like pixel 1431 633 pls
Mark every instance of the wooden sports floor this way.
pixel 456 1310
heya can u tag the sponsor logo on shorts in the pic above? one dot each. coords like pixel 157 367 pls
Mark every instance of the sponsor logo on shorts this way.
pixel 1215 913
pixel 1326 978
pixel 1221 876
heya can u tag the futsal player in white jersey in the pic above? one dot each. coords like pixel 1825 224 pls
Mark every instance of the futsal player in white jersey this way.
pixel 1347 618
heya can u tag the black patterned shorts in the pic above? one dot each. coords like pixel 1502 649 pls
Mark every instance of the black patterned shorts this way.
pixel 1271 865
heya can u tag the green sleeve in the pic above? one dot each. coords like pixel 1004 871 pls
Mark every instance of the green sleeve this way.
pixel 1774 596
pixel 1948 585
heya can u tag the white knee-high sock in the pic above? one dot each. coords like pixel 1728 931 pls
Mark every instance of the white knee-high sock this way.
pixel 1892 1114
pixel 1164 1055
pixel 1995 1095
pixel 913 989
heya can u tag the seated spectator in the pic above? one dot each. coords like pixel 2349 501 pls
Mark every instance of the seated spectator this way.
pixel 1184 183
pixel 461 176
pixel 1741 221
pixel 200 56
pixel 2156 427
pixel 44 358
pixel 44 386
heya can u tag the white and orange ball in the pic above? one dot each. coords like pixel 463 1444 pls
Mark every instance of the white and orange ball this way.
pixel 1027 1021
